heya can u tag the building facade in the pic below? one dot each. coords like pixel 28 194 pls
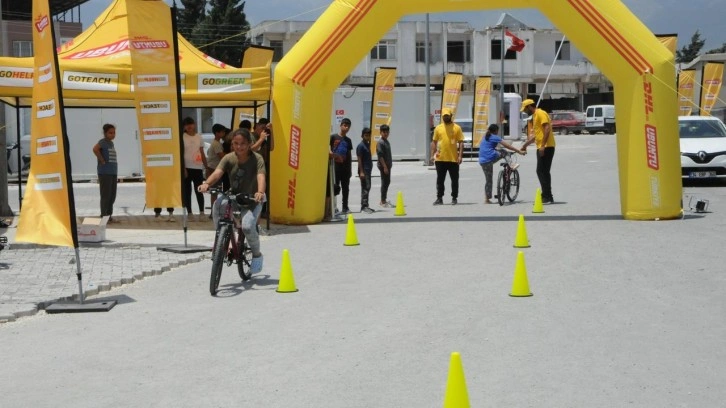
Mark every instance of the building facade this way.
pixel 574 82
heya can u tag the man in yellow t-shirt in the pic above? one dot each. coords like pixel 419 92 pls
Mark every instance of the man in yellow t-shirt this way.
pixel 447 149
pixel 541 135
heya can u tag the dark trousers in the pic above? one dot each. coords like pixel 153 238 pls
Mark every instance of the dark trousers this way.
pixel 195 177
pixel 365 188
pixel 441 169
pixel 342 182
pixel 385 182
pixel 544 164
pixel 107 184
pixel 157 211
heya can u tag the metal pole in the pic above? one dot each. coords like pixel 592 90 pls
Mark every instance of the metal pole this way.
pixel 547 80
pixel 501 86
pixel 427 127
pixel 20 154
pixel 79 276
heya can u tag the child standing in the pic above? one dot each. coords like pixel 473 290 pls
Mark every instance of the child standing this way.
pixel 488 155
pixel 365 168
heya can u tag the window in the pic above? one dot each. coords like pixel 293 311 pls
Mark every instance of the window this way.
pixel 384 50
pixel 458 51
pixel 532 89
pixel 207 120
pixel 421 52
pixel 564 54
pixel 497 51
pixel 277 50
pixel 22 48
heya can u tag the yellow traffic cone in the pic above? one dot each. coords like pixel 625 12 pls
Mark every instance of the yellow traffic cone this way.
pixel 520 286
pixel 351 238
pixel 400 210
pixel 287 280
pixel 456 394
pixel 521 241
pixel 538 208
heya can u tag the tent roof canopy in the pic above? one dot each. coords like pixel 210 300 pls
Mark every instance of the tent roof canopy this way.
pixel 96 68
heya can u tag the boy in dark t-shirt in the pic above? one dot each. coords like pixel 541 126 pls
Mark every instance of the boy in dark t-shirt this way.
pixel 341 147
pixel 365 168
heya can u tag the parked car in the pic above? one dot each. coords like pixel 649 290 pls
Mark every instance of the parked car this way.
pixel 703 146
pixel 568 122
pixel 467 128
pixel 600 118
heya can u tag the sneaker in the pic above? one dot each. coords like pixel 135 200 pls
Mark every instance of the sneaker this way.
pixel 487 201
pixel 256 264
pixel 548 200
pixel 387 204
pixel 454 202
pixel 367 210
pixel 346 210
pixel 171 218
pixel 439 201
pixel 157 215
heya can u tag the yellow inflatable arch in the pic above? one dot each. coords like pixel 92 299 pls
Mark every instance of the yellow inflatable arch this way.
pixel 639 66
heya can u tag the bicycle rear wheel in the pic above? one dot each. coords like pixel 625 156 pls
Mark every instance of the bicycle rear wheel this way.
pixel 245 259
pixel 513 188
pixel 218 256
pixel 500 188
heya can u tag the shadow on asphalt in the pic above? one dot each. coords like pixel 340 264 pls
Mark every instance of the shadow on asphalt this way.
pixel 120 299
pixel 503 218
pixel 258 282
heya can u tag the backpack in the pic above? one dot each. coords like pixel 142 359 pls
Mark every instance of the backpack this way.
pixel 340 152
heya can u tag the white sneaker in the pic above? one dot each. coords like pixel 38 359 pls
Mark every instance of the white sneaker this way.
pixel 171 218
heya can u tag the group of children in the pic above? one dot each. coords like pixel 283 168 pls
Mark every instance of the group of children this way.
pixel 340 151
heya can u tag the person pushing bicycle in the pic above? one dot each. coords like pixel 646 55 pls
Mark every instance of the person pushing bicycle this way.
pixel 488 155
pixel 246 170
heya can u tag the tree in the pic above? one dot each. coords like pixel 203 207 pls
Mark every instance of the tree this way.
pixel 690 52
pixel 223 33
pixel 719 50
pixel 190 16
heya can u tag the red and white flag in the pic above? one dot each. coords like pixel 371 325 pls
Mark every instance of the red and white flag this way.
pixel 512 42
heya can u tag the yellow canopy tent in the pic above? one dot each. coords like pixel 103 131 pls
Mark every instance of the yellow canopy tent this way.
pixel 96 70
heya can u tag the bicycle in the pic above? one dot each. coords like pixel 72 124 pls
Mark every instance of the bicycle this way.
pixel 508 179
pixel 230 245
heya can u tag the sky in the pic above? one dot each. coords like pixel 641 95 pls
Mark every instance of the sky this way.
pixel 661 16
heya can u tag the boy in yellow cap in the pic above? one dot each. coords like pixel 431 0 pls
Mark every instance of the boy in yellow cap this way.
pixel 545 141
pixel 447 150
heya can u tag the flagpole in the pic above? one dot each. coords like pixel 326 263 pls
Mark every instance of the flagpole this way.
pixel 501 85
pixel 427 127
pixel 549 74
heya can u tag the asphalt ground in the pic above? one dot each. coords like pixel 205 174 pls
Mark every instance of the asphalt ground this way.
pixel 624 313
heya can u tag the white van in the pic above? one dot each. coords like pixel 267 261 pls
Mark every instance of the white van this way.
pixel 600 118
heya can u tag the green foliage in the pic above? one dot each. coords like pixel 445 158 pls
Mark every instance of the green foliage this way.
pixel 690 52
pixel 222 31
pixel 719 50
pixel 188 17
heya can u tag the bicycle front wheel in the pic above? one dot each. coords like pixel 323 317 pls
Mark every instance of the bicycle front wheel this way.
pixel 245 259
pixel 218 256
pixel 513 190
pixel 500 188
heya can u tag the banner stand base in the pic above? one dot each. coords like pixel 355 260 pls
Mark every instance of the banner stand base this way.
pixel 68 307
pixel 181 249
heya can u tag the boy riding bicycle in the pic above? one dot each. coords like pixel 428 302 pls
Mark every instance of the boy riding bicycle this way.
pixel 246 170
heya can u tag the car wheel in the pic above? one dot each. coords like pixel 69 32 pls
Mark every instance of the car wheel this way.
pixel 577 132
pixel 565 131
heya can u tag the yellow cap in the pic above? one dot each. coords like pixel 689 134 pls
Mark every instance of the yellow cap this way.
pixel 526 103
pixel 446 111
